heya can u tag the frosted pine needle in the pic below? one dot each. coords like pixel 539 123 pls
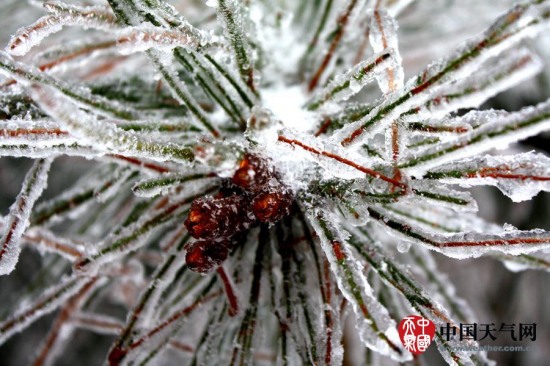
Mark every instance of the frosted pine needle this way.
pixel 257 165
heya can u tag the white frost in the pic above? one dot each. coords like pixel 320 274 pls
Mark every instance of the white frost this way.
pixel 18 218
pixel 519 176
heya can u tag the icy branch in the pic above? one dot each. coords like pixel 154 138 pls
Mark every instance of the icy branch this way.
pixel 520 176
pixel 104 135
pixel 18 217
pixel 525 20
pixel 62 15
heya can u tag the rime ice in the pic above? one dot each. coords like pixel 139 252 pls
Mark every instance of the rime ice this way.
pixel 18 217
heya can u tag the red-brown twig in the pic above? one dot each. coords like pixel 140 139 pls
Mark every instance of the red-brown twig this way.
pixel 341 26
pixel 145 164
pixel 342 160
pixel 64 315
pixel 229 292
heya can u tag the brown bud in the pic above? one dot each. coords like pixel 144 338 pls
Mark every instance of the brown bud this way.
pixel 203 256
pixel 272 205
pixel 218 217
pixel 228 188
pixel 253 174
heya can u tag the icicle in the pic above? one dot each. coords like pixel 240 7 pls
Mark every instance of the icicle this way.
pixel 464 244
pixel 395 140
pixel 537 261
pixel 18 218
pixel 520 176
pixel 341 25
pixel 332 331
pixel 317 21
pixel 383 36
pixel 524 20
pixel 437 217
pixel 387 110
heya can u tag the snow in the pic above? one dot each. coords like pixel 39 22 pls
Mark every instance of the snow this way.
pixel 286 103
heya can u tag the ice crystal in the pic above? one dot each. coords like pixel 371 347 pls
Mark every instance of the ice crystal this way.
pixel 258 165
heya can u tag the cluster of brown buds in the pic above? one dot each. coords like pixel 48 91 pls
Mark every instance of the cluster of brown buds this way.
pixel 255 194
